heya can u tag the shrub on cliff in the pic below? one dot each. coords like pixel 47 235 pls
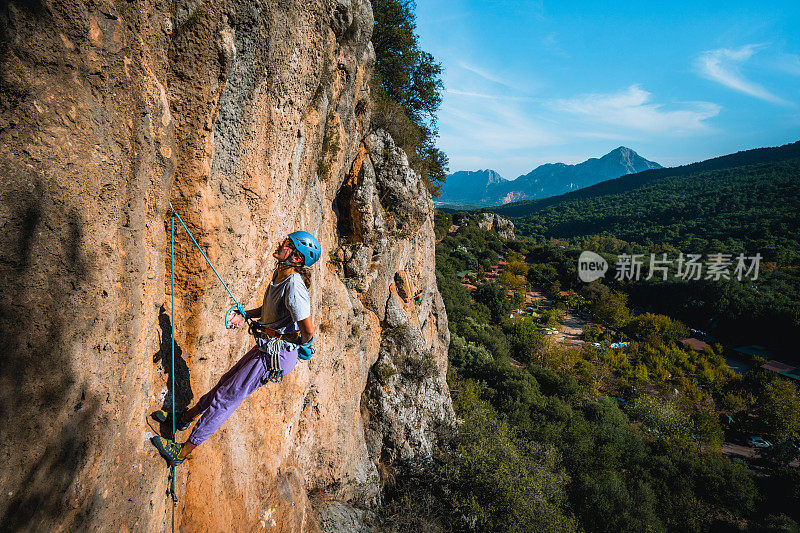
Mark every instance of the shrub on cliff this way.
pixel 407 88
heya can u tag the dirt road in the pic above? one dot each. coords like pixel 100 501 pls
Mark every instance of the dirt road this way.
pixel 747 453
pixel 570 331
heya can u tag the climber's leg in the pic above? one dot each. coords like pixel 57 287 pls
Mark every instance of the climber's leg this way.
pixel 205 401
pixel 288 359
pixel 186 449
pixel 183 419
pixel 222 400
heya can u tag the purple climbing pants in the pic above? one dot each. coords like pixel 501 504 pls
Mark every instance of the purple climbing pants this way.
pixel 238 383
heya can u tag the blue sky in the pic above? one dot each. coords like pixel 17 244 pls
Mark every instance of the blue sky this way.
pixel 539 82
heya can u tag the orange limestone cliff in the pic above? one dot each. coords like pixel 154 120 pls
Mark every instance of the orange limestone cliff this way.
pixel 253 120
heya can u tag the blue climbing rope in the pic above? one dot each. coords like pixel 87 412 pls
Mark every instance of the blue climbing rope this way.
pixel 172 370
pixel 238 305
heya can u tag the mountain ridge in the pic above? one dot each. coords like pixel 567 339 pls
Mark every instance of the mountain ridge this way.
pixel 633 181
pixel 482 188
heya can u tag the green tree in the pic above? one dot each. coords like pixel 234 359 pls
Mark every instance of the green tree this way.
pixel 512 282
pixel 497 481
pixel 656 329
pixel 518 268
pixel 542 275
pixel 408 88
pixel 780 408
pixel 706 428
pixel 494 297
pixel 611 308
pixel 526 341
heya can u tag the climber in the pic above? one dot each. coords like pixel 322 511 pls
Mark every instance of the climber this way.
pixel 418 297
pixel 284 332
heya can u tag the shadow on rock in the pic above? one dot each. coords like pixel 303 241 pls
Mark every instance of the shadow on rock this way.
pixel 47 417
pixel 182 394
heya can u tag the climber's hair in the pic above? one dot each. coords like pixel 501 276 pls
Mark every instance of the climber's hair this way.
pixel 305 273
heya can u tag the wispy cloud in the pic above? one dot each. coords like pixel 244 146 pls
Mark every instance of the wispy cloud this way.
pixel 790 63
pixel 632 108
pixel 551 43
pixel 493 127
pixel 487 96
pixel 722 66
pixel 486 75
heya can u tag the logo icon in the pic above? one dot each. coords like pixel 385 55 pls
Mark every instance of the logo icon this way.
pixel 591 266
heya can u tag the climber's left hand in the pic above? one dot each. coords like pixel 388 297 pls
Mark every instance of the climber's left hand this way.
pixel 305 351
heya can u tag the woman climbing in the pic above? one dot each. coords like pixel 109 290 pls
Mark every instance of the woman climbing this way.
pixel 284 332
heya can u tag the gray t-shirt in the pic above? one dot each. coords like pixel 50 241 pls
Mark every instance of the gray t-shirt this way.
pixel 285 304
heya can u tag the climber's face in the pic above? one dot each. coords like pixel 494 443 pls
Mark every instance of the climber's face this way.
pixel 284 250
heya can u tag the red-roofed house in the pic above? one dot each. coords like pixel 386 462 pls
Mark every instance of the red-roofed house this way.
pixel 783 369
pixel 696 344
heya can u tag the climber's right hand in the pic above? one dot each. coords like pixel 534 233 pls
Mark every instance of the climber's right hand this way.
pixel 236 321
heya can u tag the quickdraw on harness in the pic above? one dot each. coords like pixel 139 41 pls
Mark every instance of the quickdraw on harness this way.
pixel 271 347
pixel 271 343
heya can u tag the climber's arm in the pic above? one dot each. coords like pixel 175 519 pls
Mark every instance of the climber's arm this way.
pixel 306 329
pixel 238 321
pixel 253 314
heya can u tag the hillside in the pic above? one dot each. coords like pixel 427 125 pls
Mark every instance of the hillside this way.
pixel 750 208
pixel 648 433
pixel 641 179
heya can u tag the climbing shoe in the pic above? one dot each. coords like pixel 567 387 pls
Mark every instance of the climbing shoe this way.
pixel 169 450
pixel 162 415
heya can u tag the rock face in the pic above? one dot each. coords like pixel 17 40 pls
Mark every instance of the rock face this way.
pixel 252 120
pixel 406 394
pixel 501 225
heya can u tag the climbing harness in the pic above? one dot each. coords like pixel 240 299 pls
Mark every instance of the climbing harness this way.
pixel 238 307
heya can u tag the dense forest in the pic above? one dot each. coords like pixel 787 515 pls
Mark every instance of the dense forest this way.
pixel 740 210
pixel 557 438
pixel 634 181
pixel 744 209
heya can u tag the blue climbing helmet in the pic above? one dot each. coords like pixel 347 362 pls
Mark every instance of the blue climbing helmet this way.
pixel 307 245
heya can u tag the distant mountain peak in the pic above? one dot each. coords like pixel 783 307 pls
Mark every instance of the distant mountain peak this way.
pixel 487 187
pixel 470 186
pixel 620 150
